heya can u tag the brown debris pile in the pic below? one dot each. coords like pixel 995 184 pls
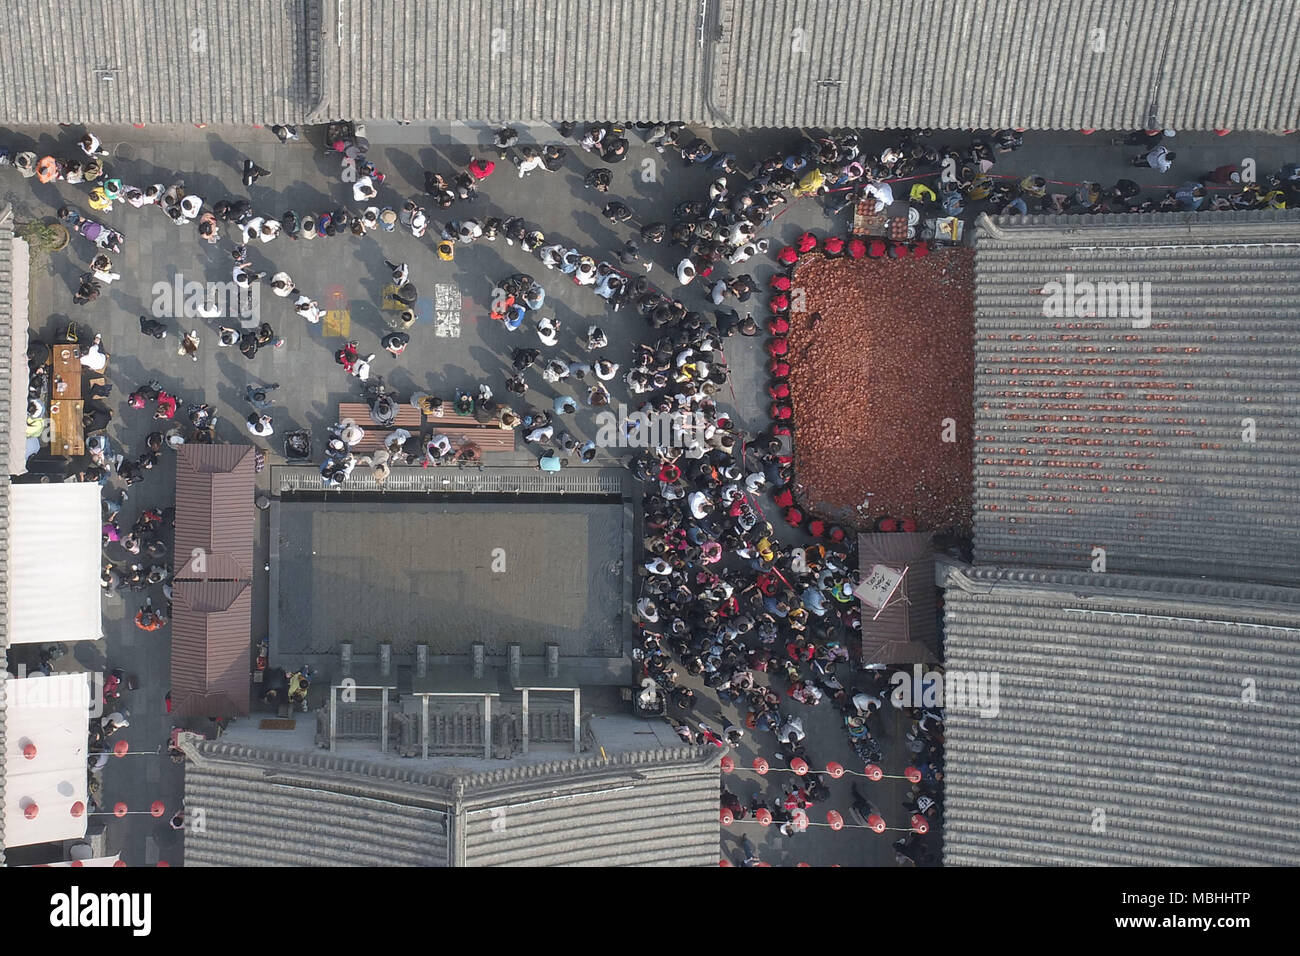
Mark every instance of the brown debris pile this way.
pixel 890 359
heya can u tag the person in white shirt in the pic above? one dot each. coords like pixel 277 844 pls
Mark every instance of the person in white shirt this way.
pixel 881 192
pixel 529 161
pixel 95 358
pixel 548 330
pixel 364 189
pixel 282 284
pixel 191 205
pixel 260 425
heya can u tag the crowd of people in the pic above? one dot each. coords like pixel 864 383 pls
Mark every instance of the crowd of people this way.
pixel 765 622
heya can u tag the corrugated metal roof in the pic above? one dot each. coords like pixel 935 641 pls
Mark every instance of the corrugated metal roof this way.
pixel 905 632
pixel 1091 433
pixel 6 351
pixel 515 59
pixel 1141 722
pixel 214 502
pixel 159 61
pixel 984 64
pixel 210 649
pixel 212 607
pixel 646 808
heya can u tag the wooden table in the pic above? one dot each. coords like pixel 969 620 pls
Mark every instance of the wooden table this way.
pixel 67 433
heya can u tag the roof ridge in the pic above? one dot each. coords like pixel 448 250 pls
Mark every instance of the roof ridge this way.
pixel 1003 228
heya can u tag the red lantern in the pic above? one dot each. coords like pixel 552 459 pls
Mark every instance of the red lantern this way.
pixel 797 865
pixel 912 774
pixel 727 764
pixel 119 862
pixel 30 811
pixel 874 773
pixel 920 824
pixel 77 809
pixel 835 820
pixel 121 748
pixel 119 809
pixel 76 863
pixel 876 822
pixel 724 862
pixel 799 766
pixel 760 766
pixel 162 863
pixel 835 770
pixel 726 817
pixel 764 816
pixel 29 751
pixel 157 808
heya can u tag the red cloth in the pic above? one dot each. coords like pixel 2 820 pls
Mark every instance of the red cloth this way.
pixel 166 405
pixel 669 472
pixel 857 249
pixel 784 498
pixel 877 248
pixel 481 169
pixel 834 245
pixel 807 242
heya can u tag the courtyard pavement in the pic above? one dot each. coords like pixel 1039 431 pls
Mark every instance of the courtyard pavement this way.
pixel 454 345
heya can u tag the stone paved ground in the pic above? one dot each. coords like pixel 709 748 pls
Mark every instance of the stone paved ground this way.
pixel 312 385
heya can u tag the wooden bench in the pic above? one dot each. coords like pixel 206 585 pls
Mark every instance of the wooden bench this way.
pixel 460 428
pixel 407 417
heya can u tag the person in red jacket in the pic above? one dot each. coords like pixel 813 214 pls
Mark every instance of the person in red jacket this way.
pixel 781 282
pixel 778 346
pixel 166 407
pixel 788 256
pixel 779 390
pixel 779 325
pixel 857 249
pixel 806 243
pixel 784 498
pixel 833 247
pixel 481 169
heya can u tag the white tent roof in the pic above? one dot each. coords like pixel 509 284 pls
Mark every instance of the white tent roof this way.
pixel 51 714
pixel 54 550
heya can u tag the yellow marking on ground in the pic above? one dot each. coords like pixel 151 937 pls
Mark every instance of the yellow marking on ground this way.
pixel 337 323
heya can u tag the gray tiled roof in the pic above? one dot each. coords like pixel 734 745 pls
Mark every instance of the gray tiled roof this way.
pixel 890 63
pixel 6 357
pixel 277 808
pixel 517 60
pixel 1092 433
pixel 1126 734
pixel 983 64
pixel 158 61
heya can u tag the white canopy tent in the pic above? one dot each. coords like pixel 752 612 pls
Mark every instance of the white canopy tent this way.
pixel 54 551
pixel 45 758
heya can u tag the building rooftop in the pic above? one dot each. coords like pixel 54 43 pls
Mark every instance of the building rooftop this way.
pixel 1142 721
pixel 1094 432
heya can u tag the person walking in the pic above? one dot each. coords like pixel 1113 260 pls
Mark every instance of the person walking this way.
pixel 1159 158
pixel 189 345
pixel 260 425
pixel 259 395
pixel 253 172
pixel 152 327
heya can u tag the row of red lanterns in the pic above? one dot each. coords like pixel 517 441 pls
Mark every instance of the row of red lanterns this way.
pixel 799 767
